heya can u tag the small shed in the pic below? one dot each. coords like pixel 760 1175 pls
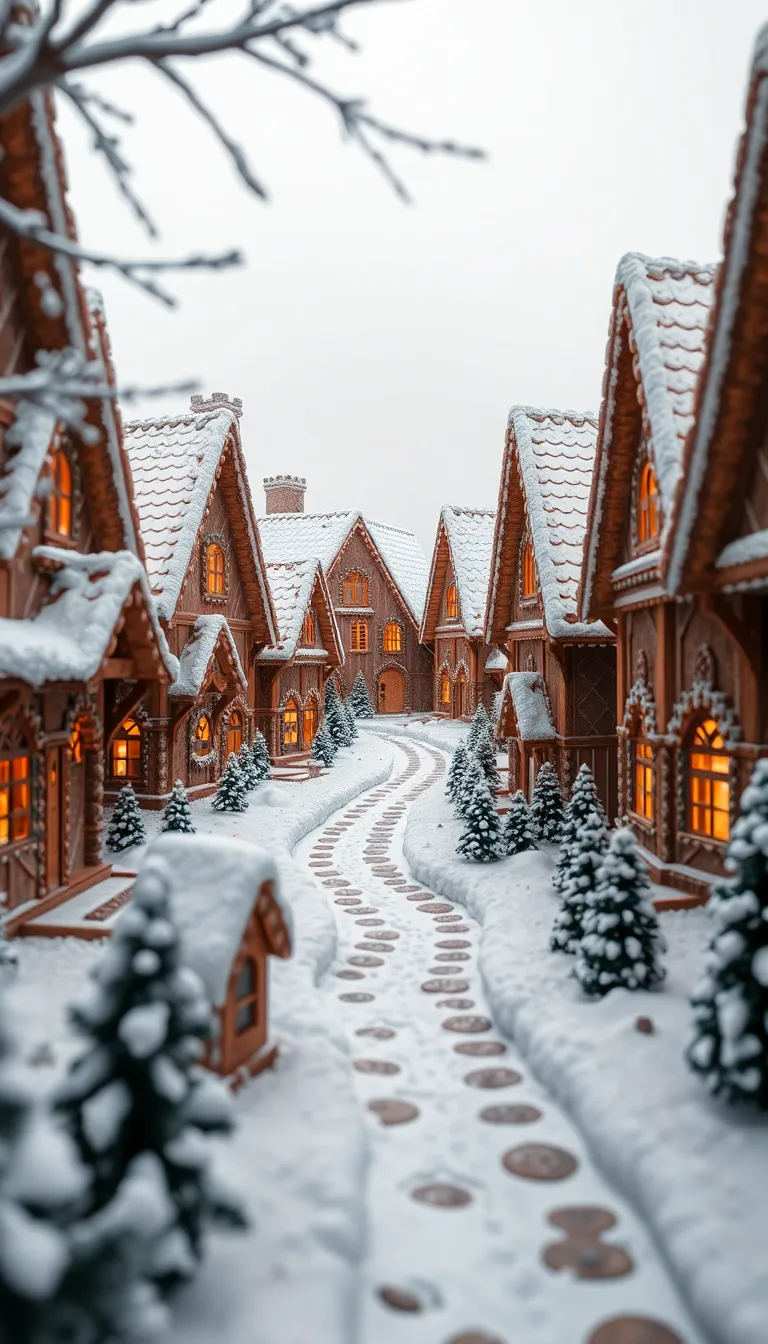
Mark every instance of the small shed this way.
pixel 525 722
pixel 226 905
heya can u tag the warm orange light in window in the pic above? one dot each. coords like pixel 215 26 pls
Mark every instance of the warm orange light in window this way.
pixel 647 505
pixel 15 798
pixel 214 570
pixel 203 734
pixel 355 590
pixel 308 630
pixel 60 498
pixel 529 571
pixel 452 603
pixel 393 637
pixel 445 690
pixel 358 637
pixel 126 751
pixel 77 744
pixel 234 731
pixel 291 724
pixel 310 723
pixel 709 784
pixel 643 796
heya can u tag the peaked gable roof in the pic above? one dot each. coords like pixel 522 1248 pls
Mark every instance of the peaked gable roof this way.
pixel 176 462
pixel 294 584
pixel 655 352
pixel 211 639
pixel 465 538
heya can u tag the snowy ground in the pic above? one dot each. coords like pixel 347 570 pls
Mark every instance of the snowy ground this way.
pixel 695 1171
pixel 434 732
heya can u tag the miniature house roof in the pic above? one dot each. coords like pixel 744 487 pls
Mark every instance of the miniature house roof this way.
pixel 71 634
pixel 211 638
pixel 524 694
pixel 215 887
pixel 176 462
pixel 496 661
pixel 465 540
pixel 294 584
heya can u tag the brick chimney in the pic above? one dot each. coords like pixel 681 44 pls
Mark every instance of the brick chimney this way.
pixel 216 402
pixel 285 494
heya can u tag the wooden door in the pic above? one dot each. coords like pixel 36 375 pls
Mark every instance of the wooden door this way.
pixel 391 691
pixel 460 698
pixel 53 818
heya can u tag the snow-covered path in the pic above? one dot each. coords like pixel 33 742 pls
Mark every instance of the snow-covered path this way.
pixel 475 1176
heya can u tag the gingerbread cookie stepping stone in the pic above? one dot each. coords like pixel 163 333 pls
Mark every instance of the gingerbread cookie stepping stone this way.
pixel 474 1337
pixel 510 1115
pixel 540 1162
pixel 461 1005
pixel 447 919
pixel 435 907
pixel 387 933
pixel 357 997
pixel 452 956
pixel 347 900
pixel 376 1033
pixel 394 1112
pixel 583 1249
pixel 480 1048
pixel 375 947
pixel 453 942
pixel 467 1024
pixel 441 1195
pixel 445 970
pixel 633 1330
pixel 368 923
pixel 493 1077
pixel 399 1299
pixel 365 961
pixel 354 891
pixel 362 910
pixel 350 975
pixel 380 1066
pixel 443 985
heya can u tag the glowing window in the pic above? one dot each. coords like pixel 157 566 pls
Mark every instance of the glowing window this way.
pixel 126 751
pixel 529 571
pixel 393 637
pixel 445 690
pixel 647 505
pixel 202 740
pixel 77 743
pixel 355 590
pixel 358 637
pixel 15 797
pixel 642 801
pixel 291 724
pixel 234 731
pixel 247 996
pixel 214 570
pixel 709 801
pixel 310 723
pixel 60 498
pixel 452 603
pixel 308 630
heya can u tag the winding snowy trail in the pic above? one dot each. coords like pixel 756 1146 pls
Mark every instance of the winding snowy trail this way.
pixel 487 1221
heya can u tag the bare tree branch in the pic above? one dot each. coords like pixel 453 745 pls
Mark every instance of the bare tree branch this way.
pixel 108 147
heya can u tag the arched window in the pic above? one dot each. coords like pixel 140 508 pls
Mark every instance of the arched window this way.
pixel 201 744
pixel 358 637
pixel 60 498
pixel 452 603
pixel 647 505
pixel 247 996
pixel 308 630
pixel 355 590
pixel 643 779
pixel 234 731
pixel 291 724
pixel 126 751
pixel 310 723
pixel 214 569
pixel 15 795
pixel 392 639
pixel 77 743
pixel 529 570
pixel 709 790
pixel 445 689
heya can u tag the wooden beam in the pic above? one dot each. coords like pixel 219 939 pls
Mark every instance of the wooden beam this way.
pixel 121 669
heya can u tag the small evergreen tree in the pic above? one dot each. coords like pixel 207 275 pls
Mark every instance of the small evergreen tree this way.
pixel 466 786
pixel 729 1043
pixel 260 756
pixel 323 748
pixel 480 837
pixel 361 701
pixel 547 805
pixel 231 794
pixel 485 754
pixel 456 771
pixel 583 802
pixel 480 722
pixel 586 852
pixel 177 815
pixel 621 942
pixel 249 771
pixel 126 826
pixel 517 829
pixel 334 717
pixel 349 715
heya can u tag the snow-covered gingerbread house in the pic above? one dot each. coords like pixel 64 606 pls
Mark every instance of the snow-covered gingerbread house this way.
pixel 226 904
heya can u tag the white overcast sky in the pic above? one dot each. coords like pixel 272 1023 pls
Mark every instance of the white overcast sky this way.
pixel 378 347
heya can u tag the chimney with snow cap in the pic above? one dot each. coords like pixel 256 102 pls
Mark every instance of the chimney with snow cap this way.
pixel 285 494
pixel 216 402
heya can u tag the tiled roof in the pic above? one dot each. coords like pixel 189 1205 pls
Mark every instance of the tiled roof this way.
pixel 291 583
pixel 470 536
pixel 556 453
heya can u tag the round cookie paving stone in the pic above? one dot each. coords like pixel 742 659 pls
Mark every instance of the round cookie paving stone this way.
pixel 376 1033
pixel 583 1249
pixel 380 1066
pixel 453 942
pixel 447 919
pixel 474 1337
pixel 350 975
pixel 468 1024
pixel 633 1330
pixel 347 900
pixel 354 891
pixel 442 1196
pixel 387 933
pixel 363 910
pixel 365 961
pixel 452 956
pixel 394 1112
pixel 399 1299
pixel 419 896
pixel 480 1048
pixel 442 985
pixel 375 947
pixel 335 882
pixel 368 923
pixel 357 997
pixel 446 970
pixel 493 1077
pixel 461 1004
pixel 539 1162
pixel 511 1115
pixel 435 908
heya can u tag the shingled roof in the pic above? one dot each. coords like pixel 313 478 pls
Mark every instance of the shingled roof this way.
pixel 292 584
pixel 467 536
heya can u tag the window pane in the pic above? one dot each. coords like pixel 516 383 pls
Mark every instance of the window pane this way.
pixel 246 980
pixel 245 1017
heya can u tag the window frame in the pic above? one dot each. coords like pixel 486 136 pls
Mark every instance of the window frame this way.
pixel 445 686
pixel 235 729
pixel 16 769
pixel 452 609
pixel 202 744
pixel 291 706
pixel 60 505
pixel 643 765
pixel 529 587
pixel 353 581
pixel 706 781
pixel 356 644
pixel 392 627
pixel 215 578
pixel 308 634
pixel 125 735
pixel 250 999
pixel 311 712
pixel 647 510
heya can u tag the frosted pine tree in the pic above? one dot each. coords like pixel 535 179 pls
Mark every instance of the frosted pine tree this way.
pixel 260 756
pixel 466 787
pixel 231 794
pixel 361 701
pixel 480 721
pixel 729 1044
pixel 584 801
pixel 485 755
pixel 126 825
pixel 177 815
pixel 480 837
pixel 547 805
pixel 621 943
pixel 323 748
pixel 456 771
pixel 334 717
pixel 137 1089
pixel 586 852
pixel 349 715
pixel 517 828
pixel 248 768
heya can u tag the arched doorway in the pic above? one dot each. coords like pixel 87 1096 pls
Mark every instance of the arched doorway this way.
pixel 391 691
pixel 291 725
pixel 460 696
pixel 234 732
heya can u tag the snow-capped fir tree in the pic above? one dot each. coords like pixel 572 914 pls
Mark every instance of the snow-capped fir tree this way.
pixel 621 942
pixel 517 828
pixel 547 805
pixel 323 748
pixel 583 801
pixel 480 837
pixel 126 825
pixel 456 771
pixel 349 715
pixel 334 717
pixel 485 755
pixel 729 1044
pixel 586 852
pixel 137 1089
pixel 231 794
pixel 250 773
pixel 260 756
pixel 480 721
pixel 361 701
pixel 467 784
pixel 177 815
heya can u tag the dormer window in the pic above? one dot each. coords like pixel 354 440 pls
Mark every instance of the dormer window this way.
pixel 60 498
pixel 529 570
pixel 452 603
pixel 647 505
pixel 214 569
pixel 355 590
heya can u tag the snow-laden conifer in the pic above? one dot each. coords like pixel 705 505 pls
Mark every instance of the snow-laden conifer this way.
pixel 485 755
pixel 480 722
pixel 177 815
pixel 480 837
pixel 586 852
pixel 467 784
pixel 323 748
pixel 248 768
pixel 583 802
pixel 547 805
pixel 231 794
pixel 126 825
pixel 729 1044
pixel 260 756
pixel 517 828
pixel 456 771
pixel 621 944
pixel 334 717
pixel 361 701
pixel 349 715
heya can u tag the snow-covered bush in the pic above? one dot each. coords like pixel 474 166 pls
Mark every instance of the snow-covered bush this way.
pixel 361 701
pixel 323 748
pixel 622 941
pixel 585 856
pixel 517 828
pixel 480 722
pixel 126 826
pixel 456 772
pixel 480 837
pixel 583 802
pixel 729 1044
pixel 485 755
pixel 547 805
pixel 177 815
pixel 231 794
pixel 260 756
pixel 248 768
pixel 334 717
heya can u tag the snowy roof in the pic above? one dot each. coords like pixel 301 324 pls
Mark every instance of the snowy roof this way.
pixel 496 661
pixel 30 436
pixel 304 536
pixel 556 454
pixel 292 583
pixel 70 635
pixel 527 694
pixel 215 885
pixel 198 652
pixel 470 537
